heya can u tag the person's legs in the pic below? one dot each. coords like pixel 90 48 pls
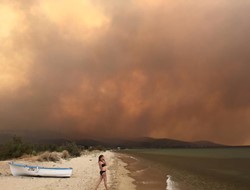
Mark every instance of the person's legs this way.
pixel 105 181
pixel 99 181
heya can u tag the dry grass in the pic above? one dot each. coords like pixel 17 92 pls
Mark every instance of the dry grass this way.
pixel 65 155
pixel 53 156
pixel 48 156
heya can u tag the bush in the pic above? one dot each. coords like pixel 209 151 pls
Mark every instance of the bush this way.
pixel 100 148
pixel 65 154
pixel 15 148
pixel 54 157
pixel 73 149
pixel 43 157
pixel 34 153
pixel 47 156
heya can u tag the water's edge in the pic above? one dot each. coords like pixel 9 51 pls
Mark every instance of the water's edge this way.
pixel 157 171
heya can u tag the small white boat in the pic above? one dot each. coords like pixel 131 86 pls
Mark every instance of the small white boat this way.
pixel 26 170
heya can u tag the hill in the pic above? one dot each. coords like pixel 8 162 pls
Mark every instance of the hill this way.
pixel 144 142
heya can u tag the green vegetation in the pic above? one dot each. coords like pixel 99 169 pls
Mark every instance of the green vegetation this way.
pixel 73 149
pixel 16 148
pixel 98 147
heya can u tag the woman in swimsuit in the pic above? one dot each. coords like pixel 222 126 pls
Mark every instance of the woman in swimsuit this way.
pixel 102 165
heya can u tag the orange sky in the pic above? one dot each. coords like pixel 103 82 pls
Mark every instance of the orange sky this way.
pixel 163 68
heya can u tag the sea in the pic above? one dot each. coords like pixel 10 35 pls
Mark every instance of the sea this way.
pixel 189 169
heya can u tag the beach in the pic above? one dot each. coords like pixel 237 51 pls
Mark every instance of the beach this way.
pixel 147 169
pixel 85 174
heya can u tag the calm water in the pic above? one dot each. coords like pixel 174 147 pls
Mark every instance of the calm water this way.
pixel 190 169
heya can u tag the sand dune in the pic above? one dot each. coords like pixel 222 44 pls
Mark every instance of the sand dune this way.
pixel 85 175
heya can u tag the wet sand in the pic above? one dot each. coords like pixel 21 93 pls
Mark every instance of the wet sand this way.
pixel 146 175
pixel 85 174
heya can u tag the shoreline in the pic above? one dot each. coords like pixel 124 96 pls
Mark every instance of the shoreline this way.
pixel 144 173
pixel 85 174
pixel 121 175
pixel 159 170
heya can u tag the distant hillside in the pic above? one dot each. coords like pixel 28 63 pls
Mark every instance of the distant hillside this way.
pixel 208 144
pixel 144 142
pixel 147 142
pixel 33 139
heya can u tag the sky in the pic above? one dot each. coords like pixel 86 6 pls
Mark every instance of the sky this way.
pixel 175 69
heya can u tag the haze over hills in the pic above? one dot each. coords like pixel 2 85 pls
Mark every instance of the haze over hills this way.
pixel 142 142
pixel 147 142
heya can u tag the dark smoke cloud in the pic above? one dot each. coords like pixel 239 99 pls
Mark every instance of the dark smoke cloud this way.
pixel 165 69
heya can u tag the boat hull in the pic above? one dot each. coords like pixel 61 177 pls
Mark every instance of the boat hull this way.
pixel 26 170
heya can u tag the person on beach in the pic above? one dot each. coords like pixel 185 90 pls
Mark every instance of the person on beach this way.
pixel 103 168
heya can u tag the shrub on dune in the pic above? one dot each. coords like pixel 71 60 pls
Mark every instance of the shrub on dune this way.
pixel 65 154
pixel 48 156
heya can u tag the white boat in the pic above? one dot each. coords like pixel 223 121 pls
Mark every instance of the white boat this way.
pixel 26 170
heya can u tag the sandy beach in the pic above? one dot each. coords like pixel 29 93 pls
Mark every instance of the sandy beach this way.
pixel 85 174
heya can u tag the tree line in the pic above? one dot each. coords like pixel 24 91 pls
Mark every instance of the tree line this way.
pixel 16 147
